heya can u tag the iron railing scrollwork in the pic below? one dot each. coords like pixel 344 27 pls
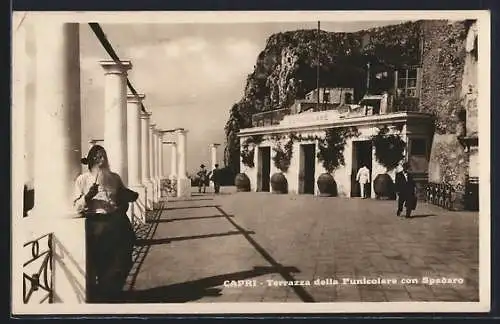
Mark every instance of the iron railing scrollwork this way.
pixel 42 278
pixel 446 196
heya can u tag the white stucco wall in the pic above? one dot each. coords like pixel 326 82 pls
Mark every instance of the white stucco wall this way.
pixel 250 172
pixel 342 175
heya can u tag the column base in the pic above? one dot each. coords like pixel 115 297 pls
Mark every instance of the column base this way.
pixel 149 194
pixel 138 208
pixel 184 188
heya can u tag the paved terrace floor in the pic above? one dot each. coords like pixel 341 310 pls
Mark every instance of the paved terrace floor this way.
pixel 192 246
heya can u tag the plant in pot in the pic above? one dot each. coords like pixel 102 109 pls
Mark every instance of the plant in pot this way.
pixel 241 181
pixel 331 154
pixel 282 157
pixel 389 151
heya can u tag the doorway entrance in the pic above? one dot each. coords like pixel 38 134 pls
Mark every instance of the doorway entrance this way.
pixel 263 173
pixel 361 155
pixel 307 168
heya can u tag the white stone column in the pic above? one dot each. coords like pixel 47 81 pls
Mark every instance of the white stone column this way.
pixel 29 76
pixel 115 116
pixel 20 112
pixel 20 170
pixel 58 152
pixel 160 159
pixel 183 183
pixel 157 146
pixel 145 159
pixel 173 160
pixel 152 163
pixel 138 208
pixel 213 154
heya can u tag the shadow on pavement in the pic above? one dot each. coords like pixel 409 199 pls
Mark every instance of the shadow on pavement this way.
pixel 299 290
pixel 149 242
pixel 189 218
pixel 422 215
pixel 191 207
pixel 142 232
pixel 196 289
pixel 182 200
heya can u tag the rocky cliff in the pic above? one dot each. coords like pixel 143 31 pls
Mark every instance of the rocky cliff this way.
pixel 286 69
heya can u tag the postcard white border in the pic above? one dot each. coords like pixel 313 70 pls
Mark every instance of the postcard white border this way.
pixel 483 17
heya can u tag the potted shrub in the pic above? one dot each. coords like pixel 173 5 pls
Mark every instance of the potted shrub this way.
pixel 282 157
pixel 241 181
pixel 389 151
pixel 331 154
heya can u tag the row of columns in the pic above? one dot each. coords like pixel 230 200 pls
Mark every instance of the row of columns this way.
pixel 133 143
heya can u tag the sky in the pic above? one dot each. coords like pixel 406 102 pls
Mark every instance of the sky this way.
pixel 190 73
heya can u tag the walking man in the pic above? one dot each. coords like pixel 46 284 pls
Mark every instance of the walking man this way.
pixel 406 190
pixel 216 178
pixel 202 178
pixel 363 177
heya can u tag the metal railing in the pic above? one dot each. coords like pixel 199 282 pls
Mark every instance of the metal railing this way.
pixel 40 279
pixel 439 194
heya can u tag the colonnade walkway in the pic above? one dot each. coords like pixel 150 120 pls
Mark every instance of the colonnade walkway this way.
pixel 195 248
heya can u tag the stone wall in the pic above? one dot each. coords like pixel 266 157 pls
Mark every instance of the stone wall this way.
pixel 443 63
pixel 469 81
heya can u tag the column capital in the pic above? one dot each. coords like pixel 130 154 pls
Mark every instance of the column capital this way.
pixel 181 131
pixel 145 115
pixel 152 127
pixel 112 67
pixel 170 143
pixel 135 99
pixel 214 144
pixel 95 141
pixel 168 131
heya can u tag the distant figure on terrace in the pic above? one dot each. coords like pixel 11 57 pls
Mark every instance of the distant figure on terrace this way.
pixel 216 178
pixel 406 189
pixel 363 177
pixel 202 178
pixel 102 198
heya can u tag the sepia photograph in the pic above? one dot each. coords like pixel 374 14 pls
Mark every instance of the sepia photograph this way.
pixel 250 162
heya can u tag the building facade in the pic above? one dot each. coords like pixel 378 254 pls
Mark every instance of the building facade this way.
pixel 304 131
pixel 431 106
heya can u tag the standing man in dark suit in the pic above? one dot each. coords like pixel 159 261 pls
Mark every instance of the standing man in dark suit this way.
pixel 406 190
pixel 215 177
